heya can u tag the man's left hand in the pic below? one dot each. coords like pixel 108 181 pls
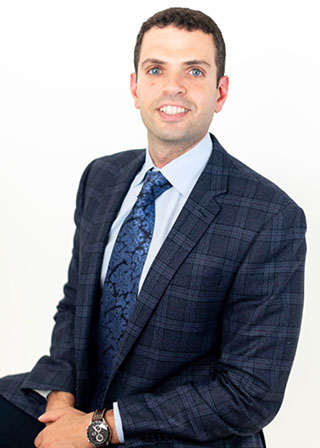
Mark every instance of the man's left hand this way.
pixel 66 428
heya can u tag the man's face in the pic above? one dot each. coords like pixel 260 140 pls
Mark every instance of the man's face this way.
pixel 176 87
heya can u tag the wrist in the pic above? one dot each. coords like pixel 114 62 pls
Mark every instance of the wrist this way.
pixel 58 399
pixel 109 418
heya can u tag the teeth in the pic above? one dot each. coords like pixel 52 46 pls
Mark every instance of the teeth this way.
pixel 173 110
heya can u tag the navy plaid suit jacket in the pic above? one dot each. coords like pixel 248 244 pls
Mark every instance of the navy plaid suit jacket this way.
pixel 207 352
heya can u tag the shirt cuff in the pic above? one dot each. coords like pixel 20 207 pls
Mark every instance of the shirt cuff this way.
pixel 43 393
pixel 118 422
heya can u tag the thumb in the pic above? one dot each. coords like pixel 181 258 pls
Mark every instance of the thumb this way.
pixel 53 416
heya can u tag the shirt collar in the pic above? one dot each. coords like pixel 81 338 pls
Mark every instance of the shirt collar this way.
pixel 148 165
pixel 184 171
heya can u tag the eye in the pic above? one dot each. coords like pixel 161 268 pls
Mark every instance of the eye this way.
pixel 154 71
pixel 196 72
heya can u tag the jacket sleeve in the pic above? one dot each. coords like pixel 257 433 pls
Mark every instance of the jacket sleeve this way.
pixel 261 325
pixel 57 371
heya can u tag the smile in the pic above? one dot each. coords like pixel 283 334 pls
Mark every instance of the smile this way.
pixel 173 110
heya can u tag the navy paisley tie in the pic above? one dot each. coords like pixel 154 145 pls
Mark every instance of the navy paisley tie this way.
pixel 122 279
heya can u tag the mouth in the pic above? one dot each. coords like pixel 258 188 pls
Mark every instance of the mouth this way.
pixel 172 112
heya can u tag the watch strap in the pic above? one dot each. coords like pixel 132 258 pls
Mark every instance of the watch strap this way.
pixel 98 415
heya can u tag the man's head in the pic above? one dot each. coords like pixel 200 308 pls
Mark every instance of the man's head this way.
pixel 190 20
pixel 175 84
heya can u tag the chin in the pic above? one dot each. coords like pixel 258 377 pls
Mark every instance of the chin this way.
pixel 174 137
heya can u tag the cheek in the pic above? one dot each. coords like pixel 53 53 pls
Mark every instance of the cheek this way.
pixel 208 102
pixel 201 94
pixel 205 104
pixel 148 96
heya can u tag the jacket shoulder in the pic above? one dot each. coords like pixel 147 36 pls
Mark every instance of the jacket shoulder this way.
pixel 118 161
pixel 246 183
pixel 104 170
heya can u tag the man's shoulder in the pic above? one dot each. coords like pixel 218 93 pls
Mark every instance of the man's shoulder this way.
pixel 118 160
pixel 106 170
pixel 246 183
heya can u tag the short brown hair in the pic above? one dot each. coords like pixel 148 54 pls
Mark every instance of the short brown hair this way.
pixel 190 20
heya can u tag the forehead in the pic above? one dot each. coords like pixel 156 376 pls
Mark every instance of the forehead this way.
pixel 171 43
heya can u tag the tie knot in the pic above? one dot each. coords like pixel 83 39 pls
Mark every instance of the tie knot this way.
pixel 154 184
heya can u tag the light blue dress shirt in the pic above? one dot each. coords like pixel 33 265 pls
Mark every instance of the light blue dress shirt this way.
pixel 183 173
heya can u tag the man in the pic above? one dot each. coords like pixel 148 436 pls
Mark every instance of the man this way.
pixel 187 333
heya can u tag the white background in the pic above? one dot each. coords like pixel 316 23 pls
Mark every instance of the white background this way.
pixel 64 100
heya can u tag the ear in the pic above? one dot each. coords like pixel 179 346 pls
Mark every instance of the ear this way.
pixel 134 88
pixel 223 88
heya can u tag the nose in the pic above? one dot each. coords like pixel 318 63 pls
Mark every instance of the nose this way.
pixel 173 85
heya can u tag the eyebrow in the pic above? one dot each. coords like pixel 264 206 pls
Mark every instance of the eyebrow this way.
pixel 197 62
pixel 187 63
pixel 152 61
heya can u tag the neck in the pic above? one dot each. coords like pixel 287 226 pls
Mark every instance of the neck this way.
pixel 163 153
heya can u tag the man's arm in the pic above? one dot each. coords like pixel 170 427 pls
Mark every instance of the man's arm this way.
pixel 259 337
pixel 57 371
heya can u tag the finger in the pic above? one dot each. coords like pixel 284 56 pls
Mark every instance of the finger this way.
pixel 47 418
pixel 38 439
pixel 53 416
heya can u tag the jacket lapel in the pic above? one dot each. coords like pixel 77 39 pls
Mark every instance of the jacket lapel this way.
pixel 197 214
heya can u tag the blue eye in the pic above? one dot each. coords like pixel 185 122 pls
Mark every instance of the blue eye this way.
pixel 196 72
pixel 154 71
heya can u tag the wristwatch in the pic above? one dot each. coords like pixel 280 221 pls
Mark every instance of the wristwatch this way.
pixel 98 432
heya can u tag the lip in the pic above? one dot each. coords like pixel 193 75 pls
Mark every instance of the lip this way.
pixel 175 117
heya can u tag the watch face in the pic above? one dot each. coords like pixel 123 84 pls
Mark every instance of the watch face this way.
pixel 98 434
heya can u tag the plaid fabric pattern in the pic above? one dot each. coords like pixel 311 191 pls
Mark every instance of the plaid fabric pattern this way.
pixel 206 355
